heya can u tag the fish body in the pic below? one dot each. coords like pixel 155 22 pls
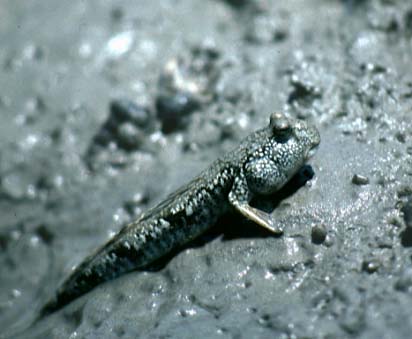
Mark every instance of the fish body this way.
pixel 260 165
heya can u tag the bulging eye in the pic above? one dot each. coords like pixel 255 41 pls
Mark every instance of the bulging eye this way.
pixel 280 125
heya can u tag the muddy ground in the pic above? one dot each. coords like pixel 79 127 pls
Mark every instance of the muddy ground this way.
pixel 201 75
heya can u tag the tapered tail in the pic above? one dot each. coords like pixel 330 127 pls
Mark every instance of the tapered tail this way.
pixel 109 262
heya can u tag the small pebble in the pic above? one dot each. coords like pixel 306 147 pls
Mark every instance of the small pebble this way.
pixel 117 14
pixel 407 213
pixel 45 234
pixel 122 110
pixel 134 206
pixel 318 234
pixel 404 283
pixel 186 83
pixel 35 104
pixel 371 266
pixel 404 191
pixel 172 110
pixel 13 186
pixel 329 241
pixel 401 137
pixel 406 237
pixel 129 136
pixel 360 180
pixel 15 293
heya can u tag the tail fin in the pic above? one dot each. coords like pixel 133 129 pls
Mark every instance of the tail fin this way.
pixel 109 262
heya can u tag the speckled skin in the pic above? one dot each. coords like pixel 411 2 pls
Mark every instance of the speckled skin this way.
pixel 261 164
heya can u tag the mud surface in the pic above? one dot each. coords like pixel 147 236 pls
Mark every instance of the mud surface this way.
pixel 75 166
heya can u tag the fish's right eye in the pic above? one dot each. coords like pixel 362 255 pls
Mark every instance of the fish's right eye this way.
pixel 280 126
